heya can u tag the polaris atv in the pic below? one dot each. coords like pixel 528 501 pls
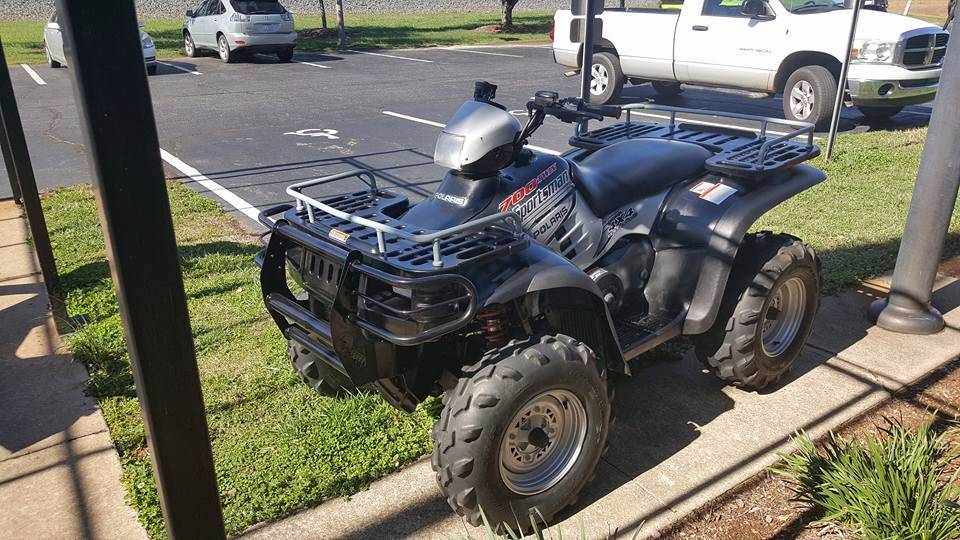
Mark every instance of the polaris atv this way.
pixel 527 279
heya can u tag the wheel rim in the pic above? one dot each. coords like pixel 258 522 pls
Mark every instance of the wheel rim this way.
pixel 802 100
pixel 543 442
pixel 783 317
pixel 188 45
pixel 599 80
pixel 224 48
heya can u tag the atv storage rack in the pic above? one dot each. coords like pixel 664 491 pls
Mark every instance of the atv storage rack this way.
pixel 346 238
pixel 748 152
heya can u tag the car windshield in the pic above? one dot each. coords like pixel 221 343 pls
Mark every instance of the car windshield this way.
pixel 258 7
pixel 814 6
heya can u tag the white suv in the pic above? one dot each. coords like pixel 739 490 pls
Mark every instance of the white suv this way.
pixel 239 26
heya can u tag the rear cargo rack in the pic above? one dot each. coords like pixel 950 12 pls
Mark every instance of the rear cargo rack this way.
pixel 749 152
pixel 349 214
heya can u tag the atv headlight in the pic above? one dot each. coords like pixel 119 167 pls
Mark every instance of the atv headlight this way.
pixel 872 52
pixel 449 151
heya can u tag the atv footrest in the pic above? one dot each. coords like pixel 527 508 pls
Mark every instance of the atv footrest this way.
pixel 641 333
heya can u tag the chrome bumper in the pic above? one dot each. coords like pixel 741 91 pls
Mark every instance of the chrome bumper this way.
pixel 892 93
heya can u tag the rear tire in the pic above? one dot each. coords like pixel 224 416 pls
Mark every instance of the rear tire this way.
pixel 809 96
pixel 767 312
pixel 223 48
pixel 152 70
pixel 607 82
pixel 285 55
pixel 666 89
pixel 323 379
pixel 189 47
pixel 879 114
pixel 522 431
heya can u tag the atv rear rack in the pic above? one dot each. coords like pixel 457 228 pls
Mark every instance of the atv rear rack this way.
pixel 353 215
pixel 747 152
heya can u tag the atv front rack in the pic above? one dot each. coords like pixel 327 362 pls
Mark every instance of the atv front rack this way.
pixel 361 216
pixel 751 151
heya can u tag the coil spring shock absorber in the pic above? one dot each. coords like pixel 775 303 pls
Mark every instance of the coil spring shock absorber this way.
pixel 496 324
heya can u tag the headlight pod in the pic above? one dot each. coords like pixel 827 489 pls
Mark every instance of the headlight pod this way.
pixel 872 52
pixel 449 151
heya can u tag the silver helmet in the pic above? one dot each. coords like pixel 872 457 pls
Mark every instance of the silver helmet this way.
pixel 478 140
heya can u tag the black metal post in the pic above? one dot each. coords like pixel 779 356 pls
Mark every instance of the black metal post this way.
pixel 842 83
pixel 116 114
pixel 8 161
pixel 16 155
pixel 586 62
pixel 908 309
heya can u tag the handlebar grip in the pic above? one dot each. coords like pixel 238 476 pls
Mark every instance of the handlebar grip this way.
pixel 611 111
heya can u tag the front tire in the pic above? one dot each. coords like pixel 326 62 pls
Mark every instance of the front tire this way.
pixel 607 78
pixel 323 379
pixel 767 312
pixel 809 96
pixel 879 114
pixel 223 48
pixel 51 63
pixel 152 70
pixel 522 431
pixel 189 47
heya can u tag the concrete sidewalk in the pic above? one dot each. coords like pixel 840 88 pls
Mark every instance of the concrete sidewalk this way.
pixel 59 472
pixel 681 437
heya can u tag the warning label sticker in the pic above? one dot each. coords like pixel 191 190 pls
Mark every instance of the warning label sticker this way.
pixel 339 236
pixel 713 192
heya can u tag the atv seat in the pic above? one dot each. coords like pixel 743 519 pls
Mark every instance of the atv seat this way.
pixel 633 169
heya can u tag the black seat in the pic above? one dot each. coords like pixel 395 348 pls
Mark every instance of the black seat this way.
pixel 633 169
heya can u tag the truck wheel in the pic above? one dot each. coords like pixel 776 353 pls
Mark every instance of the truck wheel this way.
pixel 767 311
pixel 663 88
pixel 809 96
pixel 522 431
pixel 879 114
pixel 607 81
pixel 323 379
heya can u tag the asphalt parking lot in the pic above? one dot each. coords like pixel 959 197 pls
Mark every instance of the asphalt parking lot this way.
pixel 245 131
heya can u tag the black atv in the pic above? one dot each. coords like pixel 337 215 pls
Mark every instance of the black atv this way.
pixel 527 279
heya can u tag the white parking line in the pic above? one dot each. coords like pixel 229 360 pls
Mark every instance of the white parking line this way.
pixel 228 196
pixel 33 74
pixel 391 56
pixel 439 125
pixel 183 69
pixel 311 64
pixel 460 49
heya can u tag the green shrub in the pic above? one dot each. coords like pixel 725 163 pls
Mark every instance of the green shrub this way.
pixel 894 486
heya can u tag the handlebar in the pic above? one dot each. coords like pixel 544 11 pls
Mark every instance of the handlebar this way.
pixel 570 110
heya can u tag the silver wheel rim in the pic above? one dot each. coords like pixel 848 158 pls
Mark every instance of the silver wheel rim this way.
pixel 802 100
pixel 543 442
pixel 224 48
pixel 783 317
pixel 599 80
pixel 188 45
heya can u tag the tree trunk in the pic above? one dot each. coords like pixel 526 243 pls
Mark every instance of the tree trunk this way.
pixel 506 17
pixel 342 37
pixel 323 16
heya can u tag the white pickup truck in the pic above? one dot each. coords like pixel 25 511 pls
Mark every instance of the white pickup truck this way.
pixel 788 47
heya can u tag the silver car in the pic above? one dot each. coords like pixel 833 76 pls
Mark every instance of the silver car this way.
pixel 234 27
pixel 56 56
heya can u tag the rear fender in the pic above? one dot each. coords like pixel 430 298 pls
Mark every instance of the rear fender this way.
pixel 571 302
pixel 700 240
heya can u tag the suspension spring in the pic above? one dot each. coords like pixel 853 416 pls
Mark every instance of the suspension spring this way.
pixel 496 325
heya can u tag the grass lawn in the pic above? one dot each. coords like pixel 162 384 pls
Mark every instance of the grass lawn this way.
pixel 278 447
pixel 23 40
